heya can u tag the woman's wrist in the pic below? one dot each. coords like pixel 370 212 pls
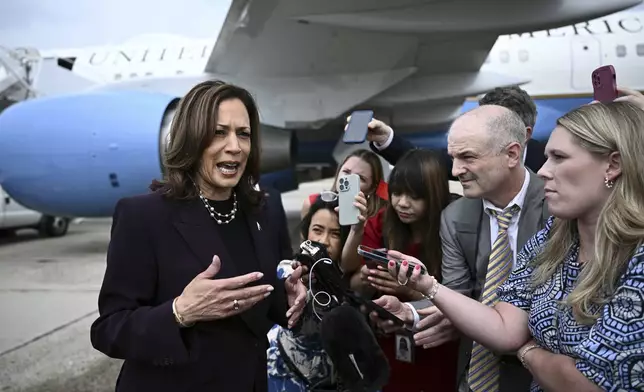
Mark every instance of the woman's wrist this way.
pixel 180 315
pixel 432 290
pixel 523 352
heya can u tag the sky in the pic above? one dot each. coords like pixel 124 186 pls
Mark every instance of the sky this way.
pixel 57 24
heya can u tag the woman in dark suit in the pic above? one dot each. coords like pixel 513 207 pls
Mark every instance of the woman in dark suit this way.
pixel 190 290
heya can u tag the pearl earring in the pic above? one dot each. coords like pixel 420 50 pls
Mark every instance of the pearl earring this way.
pixel 609 183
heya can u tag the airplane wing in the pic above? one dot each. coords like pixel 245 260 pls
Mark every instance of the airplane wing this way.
pixel 413 61
pixel 309 62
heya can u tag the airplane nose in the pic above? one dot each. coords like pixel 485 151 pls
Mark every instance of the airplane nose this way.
pixel 79 154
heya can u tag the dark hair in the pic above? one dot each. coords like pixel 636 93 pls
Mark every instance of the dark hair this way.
pixel 374 203
pixel 515 99
pixel 193 130
pixel 316 206
pixel 419 174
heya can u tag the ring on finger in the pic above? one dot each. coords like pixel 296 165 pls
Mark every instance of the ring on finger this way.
pixel 402 283
pixel 236 305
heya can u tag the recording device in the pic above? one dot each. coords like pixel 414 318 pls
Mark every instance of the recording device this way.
pixel 345 333
pixel 348 189
pixel 381 257
pixel 330 285
pixel 604 84
pixel 358 127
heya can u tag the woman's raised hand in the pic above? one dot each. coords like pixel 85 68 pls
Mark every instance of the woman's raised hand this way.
pixel 632 96
pixel 205 299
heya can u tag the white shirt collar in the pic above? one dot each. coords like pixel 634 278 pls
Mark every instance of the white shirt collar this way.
pixel 519 199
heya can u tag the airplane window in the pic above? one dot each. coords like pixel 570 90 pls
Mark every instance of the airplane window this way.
pixel 640 50
pixel 118 77
pixel 148 74
pixel 133 75
pixel 179 72
pixel 523 55
pixel 621 50
pixel 505 56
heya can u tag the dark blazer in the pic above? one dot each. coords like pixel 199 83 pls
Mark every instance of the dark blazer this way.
pixel 157 247
pixel 276 219
pixel 534 155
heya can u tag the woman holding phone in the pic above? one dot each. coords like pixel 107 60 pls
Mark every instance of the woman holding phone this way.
pixel 418 193
pixel 296 359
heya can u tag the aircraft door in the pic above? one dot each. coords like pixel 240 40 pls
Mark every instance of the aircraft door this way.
pixel 586 56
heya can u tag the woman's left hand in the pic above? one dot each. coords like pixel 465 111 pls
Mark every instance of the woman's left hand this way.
pixel 305 273
pixel 421 283
pixel 296 294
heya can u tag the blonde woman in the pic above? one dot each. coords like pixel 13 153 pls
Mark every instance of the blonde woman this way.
pixel 573 306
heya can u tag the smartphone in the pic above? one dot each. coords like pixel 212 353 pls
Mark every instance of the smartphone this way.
pixel 383 313
pixel 380 256
pixel 357 128
pixel 374 307
pixel 376 256
pixel 348 189
pixel 604 84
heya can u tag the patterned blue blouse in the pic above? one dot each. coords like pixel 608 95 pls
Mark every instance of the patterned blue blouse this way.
pixel 610 353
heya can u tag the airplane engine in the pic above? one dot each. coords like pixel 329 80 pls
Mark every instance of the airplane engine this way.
pixel 77 155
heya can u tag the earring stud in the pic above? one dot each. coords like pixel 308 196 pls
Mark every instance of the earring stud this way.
pixel 609 183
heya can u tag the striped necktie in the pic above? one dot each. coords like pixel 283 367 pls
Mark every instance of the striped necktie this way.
pixel 484 365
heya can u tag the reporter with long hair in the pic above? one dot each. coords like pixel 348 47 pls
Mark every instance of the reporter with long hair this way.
pixel 418 193
pixel 296 360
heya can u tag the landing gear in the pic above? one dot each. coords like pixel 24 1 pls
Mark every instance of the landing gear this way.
pixel 53 226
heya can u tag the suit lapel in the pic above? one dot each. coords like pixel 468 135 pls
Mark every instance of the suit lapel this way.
pixel 471 228
pixel 201 234
pixel 532 213
pixel 265 257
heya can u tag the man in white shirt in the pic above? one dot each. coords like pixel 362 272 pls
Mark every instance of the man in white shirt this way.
pixel 486 145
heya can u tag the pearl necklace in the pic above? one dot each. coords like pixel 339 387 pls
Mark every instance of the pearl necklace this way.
pixel 222 219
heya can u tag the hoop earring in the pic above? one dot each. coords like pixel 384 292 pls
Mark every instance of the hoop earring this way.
pixel 609 183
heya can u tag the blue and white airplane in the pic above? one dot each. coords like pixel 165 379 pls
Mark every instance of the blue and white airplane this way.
pixel 77 150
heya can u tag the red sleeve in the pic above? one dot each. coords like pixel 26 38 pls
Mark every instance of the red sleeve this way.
pixel 313 197
pixel 372 236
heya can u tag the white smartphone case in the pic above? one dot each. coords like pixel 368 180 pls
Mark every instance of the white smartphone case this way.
pixel 348 189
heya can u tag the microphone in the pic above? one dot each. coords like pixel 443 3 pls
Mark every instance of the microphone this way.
pixel 348 340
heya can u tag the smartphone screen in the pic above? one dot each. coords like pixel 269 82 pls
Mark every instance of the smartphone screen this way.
pixel 356 131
